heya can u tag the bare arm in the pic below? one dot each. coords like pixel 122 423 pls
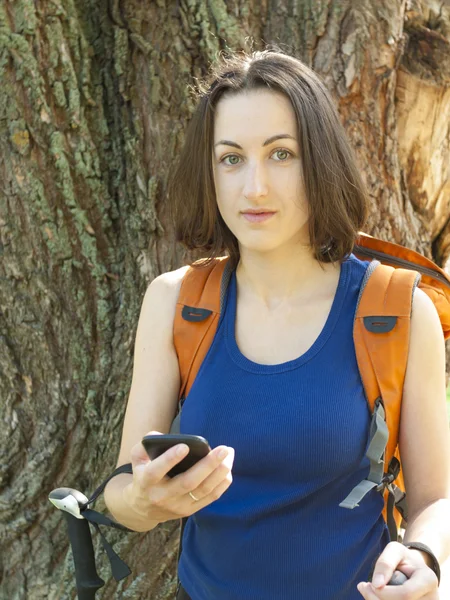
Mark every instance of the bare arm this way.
pixel 154 388
pixel 148 497
pixel 424 443
pixel 424 432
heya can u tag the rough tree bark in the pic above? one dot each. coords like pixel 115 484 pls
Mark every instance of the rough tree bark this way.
pixel 94 100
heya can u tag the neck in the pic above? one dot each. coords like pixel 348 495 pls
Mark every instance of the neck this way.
pixel 282 277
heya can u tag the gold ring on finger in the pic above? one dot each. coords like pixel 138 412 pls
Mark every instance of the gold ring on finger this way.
pixel 193 497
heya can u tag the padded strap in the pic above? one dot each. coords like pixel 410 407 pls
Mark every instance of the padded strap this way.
pixel 382 342
pixel 197 316
pixel 381 336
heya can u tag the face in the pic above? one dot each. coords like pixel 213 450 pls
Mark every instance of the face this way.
pixel 260 173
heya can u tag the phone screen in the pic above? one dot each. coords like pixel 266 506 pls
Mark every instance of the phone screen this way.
pixel 155 445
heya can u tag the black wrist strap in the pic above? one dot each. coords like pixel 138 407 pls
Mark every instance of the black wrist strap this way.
pixel 435 564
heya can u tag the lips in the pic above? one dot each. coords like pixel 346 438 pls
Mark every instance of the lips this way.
pixel 257 211
pixel 257 217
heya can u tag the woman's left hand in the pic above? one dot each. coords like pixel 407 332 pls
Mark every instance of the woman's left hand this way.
pixel 422 582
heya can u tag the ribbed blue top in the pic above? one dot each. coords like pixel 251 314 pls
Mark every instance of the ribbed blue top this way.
pixel 300 432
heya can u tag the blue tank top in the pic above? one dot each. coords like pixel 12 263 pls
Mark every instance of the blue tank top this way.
pixel 300 431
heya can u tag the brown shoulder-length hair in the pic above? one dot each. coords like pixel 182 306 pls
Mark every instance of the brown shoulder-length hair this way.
pixel 335 192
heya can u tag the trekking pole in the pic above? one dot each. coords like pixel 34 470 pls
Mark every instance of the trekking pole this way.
pixel 87 579
pixel 398 578
pixel 75 506
pixel 78 514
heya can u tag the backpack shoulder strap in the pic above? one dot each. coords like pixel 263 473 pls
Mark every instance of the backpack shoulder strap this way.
pixel 197 315
pixel 435 282
pixel 381 335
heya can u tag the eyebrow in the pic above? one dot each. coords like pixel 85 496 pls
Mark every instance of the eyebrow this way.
pixel 278 136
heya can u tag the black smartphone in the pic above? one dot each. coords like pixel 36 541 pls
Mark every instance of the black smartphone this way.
pixel 155 445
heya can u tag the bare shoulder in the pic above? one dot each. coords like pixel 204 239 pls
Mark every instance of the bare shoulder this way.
pixel 165 288
pixel 424 439
pixel 426 353
pixel 172 279
pixel 424 315
pixel 155 383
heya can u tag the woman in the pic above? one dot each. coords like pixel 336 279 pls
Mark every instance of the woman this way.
pixel 268 177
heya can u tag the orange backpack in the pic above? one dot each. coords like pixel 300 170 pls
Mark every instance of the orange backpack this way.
pixel 381 336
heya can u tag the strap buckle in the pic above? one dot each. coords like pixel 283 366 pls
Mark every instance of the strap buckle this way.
pixel 391 475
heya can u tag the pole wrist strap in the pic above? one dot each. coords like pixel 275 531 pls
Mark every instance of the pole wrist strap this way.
pixel 424 548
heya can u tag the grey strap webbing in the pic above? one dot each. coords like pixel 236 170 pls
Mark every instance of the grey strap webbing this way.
pixel 175 427
pixel 379 435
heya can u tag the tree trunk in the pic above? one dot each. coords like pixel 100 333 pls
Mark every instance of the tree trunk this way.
pixel 94 102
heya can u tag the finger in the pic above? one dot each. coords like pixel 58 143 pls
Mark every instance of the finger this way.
pixel 387 563
pixel 366 591
pixel 138 453
pixel 192 478
pixel 221 472
pixel 421 583
pixel 419 586
pixel 157 469
pixel 214 495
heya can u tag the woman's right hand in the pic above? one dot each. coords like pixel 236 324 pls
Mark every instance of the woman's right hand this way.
pixel 159 498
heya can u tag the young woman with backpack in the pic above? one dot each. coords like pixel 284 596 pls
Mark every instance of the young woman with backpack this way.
pixel 267 178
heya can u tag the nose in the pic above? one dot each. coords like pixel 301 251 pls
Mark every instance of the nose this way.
pixel 255 182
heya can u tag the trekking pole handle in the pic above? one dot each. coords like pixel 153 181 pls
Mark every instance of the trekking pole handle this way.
pixel 87 578
pixel 398 578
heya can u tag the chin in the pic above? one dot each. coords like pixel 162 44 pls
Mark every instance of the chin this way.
pixel 255 246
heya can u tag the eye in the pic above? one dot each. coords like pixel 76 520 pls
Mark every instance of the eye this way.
pixel 283 150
